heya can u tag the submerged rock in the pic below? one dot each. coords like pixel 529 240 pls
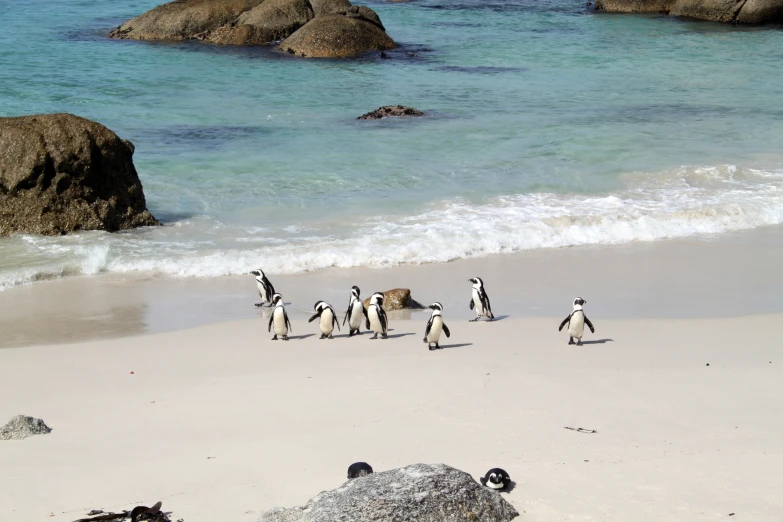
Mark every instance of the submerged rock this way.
pixel 731 11
pixel 333 26
pixel 397 299
pixel 391 111
pixel 60 173
pixel 22 426
pixel 416 493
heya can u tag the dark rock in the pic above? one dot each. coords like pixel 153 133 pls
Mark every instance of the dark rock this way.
pixel 397 299
pixel 417 493
pixel 22 426
pixel 60 173
pixel 337 36
pixel 257 22
pixel 730 11
pixel 391 111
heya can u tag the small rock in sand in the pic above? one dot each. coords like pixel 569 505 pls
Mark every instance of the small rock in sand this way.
pixel 22 426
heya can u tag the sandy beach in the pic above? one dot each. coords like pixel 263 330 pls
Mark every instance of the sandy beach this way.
pixel 221 423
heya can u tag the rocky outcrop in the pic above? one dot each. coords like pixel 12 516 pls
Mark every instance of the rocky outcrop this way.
pixel 420 493
pixel 397 299
pixel 337 36
pixel 329 28
pixel 730 11
pixel 391 111
pixel 60 173
pixel 22 426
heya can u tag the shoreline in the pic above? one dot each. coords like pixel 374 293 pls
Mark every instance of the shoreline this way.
pixel 732 274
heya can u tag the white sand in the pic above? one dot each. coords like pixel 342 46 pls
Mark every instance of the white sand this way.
pixel 221 423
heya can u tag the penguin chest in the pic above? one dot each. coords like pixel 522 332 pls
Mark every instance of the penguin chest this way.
pixel 356 315
pixel 262 291
pixel 477 302
pixel 375 320
pixel 327 322
pixel 279 321
pixel 435 329
pixel 577 325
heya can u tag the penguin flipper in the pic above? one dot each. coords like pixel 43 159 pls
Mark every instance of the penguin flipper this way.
pixel 472 304
pixel 383 319
pixel 366 318
pixel 429 327
pixel 347 314
pixel 565 322
pixel 271 319
pixel 287 322
pixel 446 330
pixel 589 325
pixel 335 321
pixel 313 318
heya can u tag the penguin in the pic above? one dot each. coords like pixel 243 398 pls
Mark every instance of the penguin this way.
pixel 265 288
pixel 376 317
pixel 144 513
pixel 359 469
pixel 355 311
pixel 480 300
pixel 576 322
pixel 328 319
pixel 280 319
pixel 434 326
pixel 496 479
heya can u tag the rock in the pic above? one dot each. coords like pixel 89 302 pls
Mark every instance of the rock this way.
pixel 416 493
pixel 396 299
pixel 22 426
pixel 257 22
pixel 390 111
pixel 730 11
pixel 60 173
pixel 271 21
pixel 183 19
pixel 337 36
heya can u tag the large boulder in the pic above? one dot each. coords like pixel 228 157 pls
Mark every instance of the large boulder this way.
pixel 392 111
pixel 23 426
pixel 417 493
pixel 731 11
pixel 60 173
pixel 257 22
pixel 183 19
pixel 337 36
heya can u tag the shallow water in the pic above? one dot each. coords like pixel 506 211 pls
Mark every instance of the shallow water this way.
pixel 549 125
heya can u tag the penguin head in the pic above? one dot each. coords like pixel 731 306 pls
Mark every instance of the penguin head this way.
pixel 437 308
pixel 359 469
pixel 277 299
pixel 377 298
pixel 320 305
pixel 496 478
pixel 477 282
pixel 259 272
pixel 578 303
pixel 355 291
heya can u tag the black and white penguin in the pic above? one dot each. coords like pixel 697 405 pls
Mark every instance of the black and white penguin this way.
pixel 359 469
pixel 328 319
pixel 376 317
pixel 480 300
pixel 265 288
pixel 434 327
pixel 355 312
pixel 279 319
pixel 147 514
pixel 576 322
pixel 496 478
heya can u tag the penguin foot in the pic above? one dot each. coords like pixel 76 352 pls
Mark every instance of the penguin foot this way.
pixel 430 348
pixel 285 337
pixel 571 340
pixel 259 304
pixel 330 337
pixel 384 336
pixel 579 342
pixel 437 346
pixel 474 320
pixel 274 338
pixel 374 337
pixel 322 336
pixel 350 334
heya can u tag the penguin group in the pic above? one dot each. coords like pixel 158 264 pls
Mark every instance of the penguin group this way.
pixel 375 319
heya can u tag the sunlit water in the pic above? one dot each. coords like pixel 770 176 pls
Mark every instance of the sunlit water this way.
pixel 549 125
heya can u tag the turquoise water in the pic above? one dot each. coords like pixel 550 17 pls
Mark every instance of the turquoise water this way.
pixel 549 125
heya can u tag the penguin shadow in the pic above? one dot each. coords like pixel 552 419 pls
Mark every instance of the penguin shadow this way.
pixel 305 336
pixel 509 488
pixel 394 336
pixel 599 341
pixel 450 346
pixel 496 319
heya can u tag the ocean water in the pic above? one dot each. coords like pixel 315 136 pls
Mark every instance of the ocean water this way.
pixel 548 125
